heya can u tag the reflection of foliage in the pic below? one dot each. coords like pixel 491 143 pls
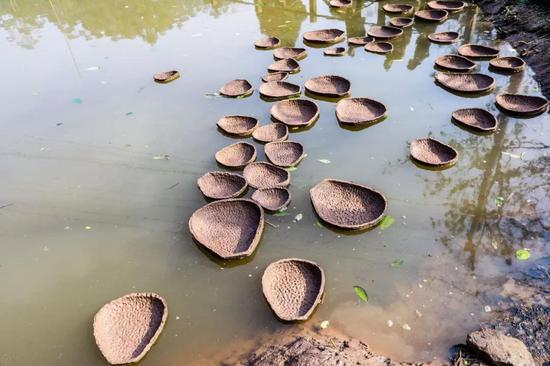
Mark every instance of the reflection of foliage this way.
pixel 281 18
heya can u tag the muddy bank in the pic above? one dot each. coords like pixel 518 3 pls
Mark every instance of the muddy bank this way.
pixel 525 25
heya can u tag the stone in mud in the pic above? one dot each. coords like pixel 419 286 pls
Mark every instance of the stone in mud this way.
pixel 500 349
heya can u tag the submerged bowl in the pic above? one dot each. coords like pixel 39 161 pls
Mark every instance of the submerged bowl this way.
pixel 455 63
pixel 265 175
pixel 444 37
pixel 221 185
pixel 166 76
pixel 379 47
pixel 288 65
pixel 297 53
pixel 465 83
pixel 272 199
pixel 236 155
pixel 295 112
pixel 238 125
pixel 477 51
pixel 432 152
pixel 522 104
pixel 268 43
pixel 432 15
pixel 271 133
pixel 237 88
pixel 359 111
pixel 508 64
pixel 384 32
pixel 279 89
pixel 324 36
pixel 475 118
pixel 329 85
pixel 284 153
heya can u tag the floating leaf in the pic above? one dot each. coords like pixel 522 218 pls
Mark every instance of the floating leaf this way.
pixel 523 254
pixel 324 161
pixel 280 214
pixel 129 113
pixel 325 324
pixel 515 156
pixel 397 263
pixel 291 169
pixel 318 224
pixel 361 293
pixel 77 101
pixel 387 222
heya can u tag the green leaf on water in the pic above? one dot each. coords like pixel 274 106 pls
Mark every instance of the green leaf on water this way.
pixel 361 293
pixel 397 263
pixel 129 113
pixel 77 101
pixel 291 169
pixel 523 254
pixel 318 224
pixel 387 222
pixel 280 214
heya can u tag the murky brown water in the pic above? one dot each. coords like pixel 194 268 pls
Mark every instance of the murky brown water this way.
pixel 88 213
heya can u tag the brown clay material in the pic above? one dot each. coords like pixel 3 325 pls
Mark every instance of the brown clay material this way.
pixel 340 3
pixel 384 32
pixel 238 125
pixel 401 22
pixel 335 51
pixel 293 288
pixel 324 36
pixel 448 5
pixel 347 205
pixel 432 152
pixel 465 83
pixel 288 65
pixel 455 63
pixel 360 41
pixel 398 8
pixel 265 175
pixel 236 155
pixel 477 51
pixel 284 153
pixel 275 76
pixel 522 104
pixel 379 47
pixel 272 199
pixel 475 118
pixel 236 88
pixel 126 328
pixel 508 64
pixel 328 85
pixel 279 89
pixel 444 37
pixel 166 77
pixel 295 112
pixel 359 111
pixel 268 43
pixel 271 133
pixel 221 185
pixel 283 53
pixel 432 15
pixel 229 228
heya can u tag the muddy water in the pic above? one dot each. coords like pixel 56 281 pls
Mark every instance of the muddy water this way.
pixel 99 166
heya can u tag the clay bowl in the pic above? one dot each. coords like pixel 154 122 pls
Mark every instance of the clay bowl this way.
pixel 444 37
pixel 340 3
pixel 275 76
pixel 295 112
pixel 279 89
pixel 236 88
pixel 507 64
pixel 475 118
pixel 477 51
pixel 521 104
pixel 431 152
pixel 455 63
pixel 238 125
pixel 384 32
pixel 401 22
pixel 329 86
pixel 264 175
pixel 448 5
pixel 284 153
pixel 229 228
pixel 359 111
pixel 324 36
pixel 126 328
pixel 272 199
pixel 293 288
pixel 379 47
pixel 268 43
pixel 347 205
pixel 360 41
pixel 166 77
pixel 335 51
pixel 288 65
pixel 221 185
pixel 236 155
pixel 432 15
pixel 271 133
pixel 296 53
pixel 398 8
pixel 465 83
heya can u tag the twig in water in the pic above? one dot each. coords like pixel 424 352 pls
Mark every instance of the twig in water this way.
pixel 270 224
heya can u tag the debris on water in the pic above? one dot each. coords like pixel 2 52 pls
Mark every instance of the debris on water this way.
pixel 418 313
pixel 325 324
pixel 59 123
pixel 324 161
pixel 46 249
pixel 499 201
pixel 172 186
pixel 210 95
pixel 397 263
pixel 512 155
pixel 389 323
pixel 523 254
pixel 487 309
pixel 129 113
pixel 77 101
pixel 291 169
pixel 161 157
pixel 298 217
pixel 318 224
pixel 280 214
pixel 387 222
pixel 92 68
pixel 361 293
pixel 406 327
pixel 177 318
pixel 87 227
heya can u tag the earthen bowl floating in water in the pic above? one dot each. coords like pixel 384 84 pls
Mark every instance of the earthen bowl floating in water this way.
pixel 360 111
pixel 455 63
pixel 507 64
pixel 379 47
pixel 432 152
pixel 384 32
pixel 347 205
pixel 465 83
pixel 521 104
pixel 268 43
pixel 279 89
pixel 360 41
pixel 475 118
pixel 126 328
pixel 221 185
pixel 477 51
pixel 284 153
pixel 329 86
pixel 271 133
pixel 265 175
pixel 166 77
pixel 398 8
pixel 288 65
pixel 236 155
pixel 293 288
pixel 236 88
pixel 324 36
pixel 275 76
pixel 238 125
pixel 295 112
pixel 432 15
pixel 340 3
pixel 448 5
pixel 272 199
pixel 335 51
pixel 229 228
pixel 444 37
pixel 401 22
pixel 296 53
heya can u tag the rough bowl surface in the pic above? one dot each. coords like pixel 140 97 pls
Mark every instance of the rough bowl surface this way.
pixel 295 112
pixel 284 153
pixel 508 64
pixel 398 8
pixel 275 76
pixel 432 152
pixel 401 22
pixel 236 155
pixel 329 85
pixel 279 89
pixel 265 175
pixel 236 88
pixel 384 31
pixel 324 36
pixel 455 63
pixel 340 3
pixel 379 47
pixel 167 76
pixel 466 83
pixel 272 199
pixel 359 111
pixel 271 133
pixel 238 125
pixel 448 5
pixel 475 118
pixel 432 15
pixel 477 51
pixel 360 41
pixel 521 104
pixel 283 53
pixel 221 185
pixel 444 37
pixel 289 65
pixel 335 51
pixel 268 42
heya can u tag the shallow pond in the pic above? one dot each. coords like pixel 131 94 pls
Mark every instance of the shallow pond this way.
pixel 99 167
